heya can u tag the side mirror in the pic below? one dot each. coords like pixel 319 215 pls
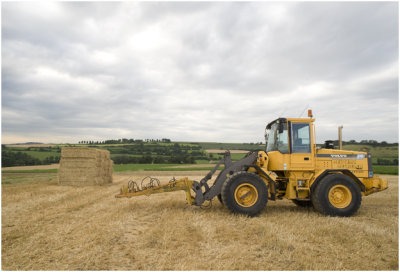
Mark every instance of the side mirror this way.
pixel 280 127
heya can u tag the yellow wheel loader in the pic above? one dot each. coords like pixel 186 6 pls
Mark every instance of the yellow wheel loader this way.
pixel 292 167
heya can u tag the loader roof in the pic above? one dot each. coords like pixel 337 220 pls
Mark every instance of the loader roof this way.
pixel 284 120
pixel 279 120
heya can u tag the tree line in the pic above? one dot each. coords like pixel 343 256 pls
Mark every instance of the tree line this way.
pixel 126 141
pixel 10 158
pixel 366 142
pixel 380 161
pixel 180 158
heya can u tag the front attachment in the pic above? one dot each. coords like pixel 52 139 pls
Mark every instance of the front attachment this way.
pixel 150 186
pixel 202 191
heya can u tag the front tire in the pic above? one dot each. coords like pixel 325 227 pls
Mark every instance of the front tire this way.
pixel 337 195
pixel 220 199
pixel 245 193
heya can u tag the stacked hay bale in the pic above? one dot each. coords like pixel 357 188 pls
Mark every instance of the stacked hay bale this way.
pixel 85 166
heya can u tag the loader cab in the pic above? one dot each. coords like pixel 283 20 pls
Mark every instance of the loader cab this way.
pixel 290 144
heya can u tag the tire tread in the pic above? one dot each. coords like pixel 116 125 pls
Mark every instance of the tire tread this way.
pixel 320 200
pixel 228 201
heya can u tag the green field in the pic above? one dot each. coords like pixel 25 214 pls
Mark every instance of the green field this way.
pixel 386 169
pixel 232 146
pixel 141 167
pixel 159 167
pixel 377 152
pixel 41 155
pixel 234 156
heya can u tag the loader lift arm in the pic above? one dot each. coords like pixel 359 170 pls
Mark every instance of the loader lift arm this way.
pixel 230 168
pixel 201 189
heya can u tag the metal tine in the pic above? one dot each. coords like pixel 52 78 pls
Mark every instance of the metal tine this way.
pixel 149 184
pixel 133 186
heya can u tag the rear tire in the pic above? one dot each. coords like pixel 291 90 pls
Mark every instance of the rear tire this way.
pixel 337 195
pixel 302 203
pixel 245 193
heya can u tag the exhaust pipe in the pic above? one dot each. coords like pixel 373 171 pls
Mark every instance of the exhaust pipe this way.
pixel 340 138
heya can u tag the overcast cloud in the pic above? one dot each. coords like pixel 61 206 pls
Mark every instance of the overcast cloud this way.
pixel 192 71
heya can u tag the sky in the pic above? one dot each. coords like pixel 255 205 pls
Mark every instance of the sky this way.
pixel 197 71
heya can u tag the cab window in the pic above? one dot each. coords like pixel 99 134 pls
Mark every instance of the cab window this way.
pixel 277 138
pixel 300 135
pixel 283 143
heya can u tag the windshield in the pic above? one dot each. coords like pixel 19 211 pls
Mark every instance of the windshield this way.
pixel 277 141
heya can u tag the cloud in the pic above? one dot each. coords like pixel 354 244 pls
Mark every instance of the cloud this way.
pixel 197 71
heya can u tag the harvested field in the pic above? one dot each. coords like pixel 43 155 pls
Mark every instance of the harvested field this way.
pixel 51 227
pixel 197 165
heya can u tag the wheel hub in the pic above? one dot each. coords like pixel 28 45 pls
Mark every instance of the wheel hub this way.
pixel 340 196
pixel 246 195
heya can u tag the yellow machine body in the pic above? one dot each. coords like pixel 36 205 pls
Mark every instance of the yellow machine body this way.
pixel 303 167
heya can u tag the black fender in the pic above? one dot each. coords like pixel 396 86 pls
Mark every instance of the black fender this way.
pixel 343 171
pixel 262 172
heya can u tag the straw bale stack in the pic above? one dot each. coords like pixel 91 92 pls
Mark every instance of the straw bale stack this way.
pixel 85 166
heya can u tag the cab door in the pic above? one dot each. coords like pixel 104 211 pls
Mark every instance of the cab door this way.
pixel 301 146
